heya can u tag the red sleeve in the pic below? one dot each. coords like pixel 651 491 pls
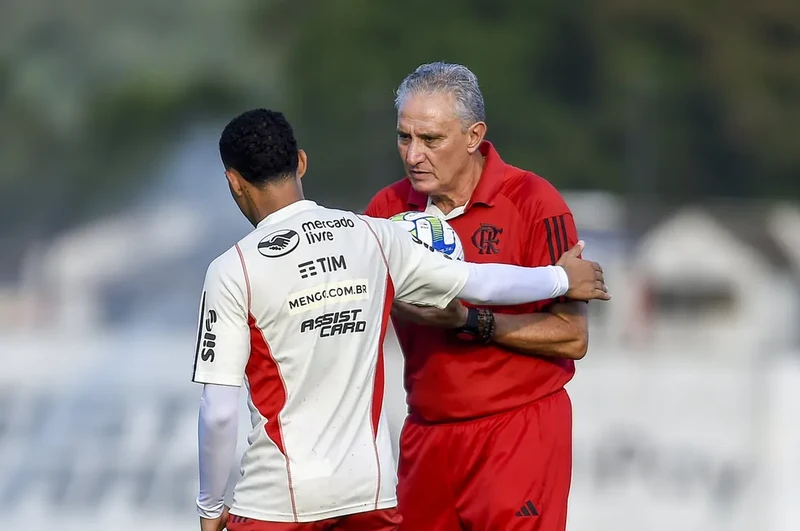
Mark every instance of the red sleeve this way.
pixel 551 237
pixel 554 231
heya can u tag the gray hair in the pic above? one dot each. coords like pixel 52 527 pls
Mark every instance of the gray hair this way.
pixel 446 78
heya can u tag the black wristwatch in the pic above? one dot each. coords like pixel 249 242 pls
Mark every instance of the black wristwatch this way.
pixel 479 326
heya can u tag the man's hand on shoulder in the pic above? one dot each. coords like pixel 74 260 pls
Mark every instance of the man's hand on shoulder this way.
pixel 586 280
pixel 454 316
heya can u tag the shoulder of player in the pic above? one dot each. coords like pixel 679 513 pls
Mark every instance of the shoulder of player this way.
pixel 534 196
pixel 227 267
pixel 378 226
pixel 381 204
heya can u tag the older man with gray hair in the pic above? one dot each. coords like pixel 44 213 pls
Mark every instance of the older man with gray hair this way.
pixel 488 441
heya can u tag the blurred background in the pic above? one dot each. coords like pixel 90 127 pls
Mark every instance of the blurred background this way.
pixel 669 125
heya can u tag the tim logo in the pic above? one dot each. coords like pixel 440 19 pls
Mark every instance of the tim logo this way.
pixel 209 338
pixel 487 238
pixel 326 264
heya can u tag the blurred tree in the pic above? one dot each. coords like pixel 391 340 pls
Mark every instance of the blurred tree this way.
pixel 727 80
pixel 667 97
pixel 92 93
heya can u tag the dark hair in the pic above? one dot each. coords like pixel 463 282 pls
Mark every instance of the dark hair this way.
pixel 260 145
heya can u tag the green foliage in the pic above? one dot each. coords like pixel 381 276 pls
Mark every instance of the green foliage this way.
pixel 670 97
pixel 676 98
pixel 93 92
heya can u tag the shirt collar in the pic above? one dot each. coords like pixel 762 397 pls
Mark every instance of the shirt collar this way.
pixel 286 212
pixel 488 185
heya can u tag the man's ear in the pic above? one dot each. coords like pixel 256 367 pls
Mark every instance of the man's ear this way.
pixel 235 182
pixel 302 163
pixel 476 133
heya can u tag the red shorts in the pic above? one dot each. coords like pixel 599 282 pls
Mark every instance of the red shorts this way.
pixel 500 473
pixel 383 520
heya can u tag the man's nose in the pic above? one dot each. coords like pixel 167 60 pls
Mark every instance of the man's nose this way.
pixel 414 154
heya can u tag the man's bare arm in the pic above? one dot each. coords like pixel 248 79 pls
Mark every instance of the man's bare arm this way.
pixel 561 332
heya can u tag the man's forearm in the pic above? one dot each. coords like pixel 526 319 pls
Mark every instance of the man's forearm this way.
pixel 559 333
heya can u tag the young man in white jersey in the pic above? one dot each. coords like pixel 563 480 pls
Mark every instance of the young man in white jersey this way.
pixel 297 311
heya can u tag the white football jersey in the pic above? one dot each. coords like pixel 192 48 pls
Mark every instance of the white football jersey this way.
pixel 298 310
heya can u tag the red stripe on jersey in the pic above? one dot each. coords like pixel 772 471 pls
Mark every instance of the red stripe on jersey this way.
pixel 378 241
pixel 246 277
pixel 377 396
pixel 378 388
pixel 268 392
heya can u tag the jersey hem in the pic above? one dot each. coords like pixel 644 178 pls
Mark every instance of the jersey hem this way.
pixel 442 302
pixel 458 288
pixel 314 517
pixel 416 418
pixel 218 379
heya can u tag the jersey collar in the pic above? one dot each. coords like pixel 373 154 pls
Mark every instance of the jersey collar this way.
pixel 286 212
pixel 488 186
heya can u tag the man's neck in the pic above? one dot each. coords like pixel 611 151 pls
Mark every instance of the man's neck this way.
pixel 465 186
pixel 273 198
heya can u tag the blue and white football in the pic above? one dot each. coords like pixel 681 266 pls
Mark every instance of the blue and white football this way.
pixel 433 231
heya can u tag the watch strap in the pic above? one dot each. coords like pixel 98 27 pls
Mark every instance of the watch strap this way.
pixel 480 325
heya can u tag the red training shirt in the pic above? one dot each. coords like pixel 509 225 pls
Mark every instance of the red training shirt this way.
pixel 513 217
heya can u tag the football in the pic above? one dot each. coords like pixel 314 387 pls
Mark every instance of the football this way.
pixel 433 231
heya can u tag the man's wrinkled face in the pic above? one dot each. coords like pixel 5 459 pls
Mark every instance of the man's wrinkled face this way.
pixel 432 143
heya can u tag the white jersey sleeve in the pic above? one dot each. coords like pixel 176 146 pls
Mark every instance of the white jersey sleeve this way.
pixel 423 276
pixel 223 342
pixel 420 275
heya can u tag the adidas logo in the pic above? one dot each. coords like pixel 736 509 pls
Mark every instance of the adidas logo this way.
pixel 527 510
